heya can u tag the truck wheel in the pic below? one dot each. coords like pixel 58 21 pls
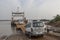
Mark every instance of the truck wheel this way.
pixel 42 35
pixel 28 35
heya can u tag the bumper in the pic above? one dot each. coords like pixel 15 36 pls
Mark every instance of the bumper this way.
pixel 35 34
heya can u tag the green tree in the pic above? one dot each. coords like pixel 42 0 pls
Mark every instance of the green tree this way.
pixel 56 18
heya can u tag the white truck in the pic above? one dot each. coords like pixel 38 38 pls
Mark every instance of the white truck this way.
pixel 36 28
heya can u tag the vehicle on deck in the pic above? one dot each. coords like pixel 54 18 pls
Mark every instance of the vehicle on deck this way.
pixel 36 28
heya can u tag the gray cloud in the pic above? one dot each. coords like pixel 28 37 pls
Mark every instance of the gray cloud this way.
pixel 6 8
pixel 33 8
pixel 47 10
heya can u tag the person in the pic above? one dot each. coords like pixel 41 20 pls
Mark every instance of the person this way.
pixel 47 29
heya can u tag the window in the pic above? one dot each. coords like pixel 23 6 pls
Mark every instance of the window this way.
pixel 38 24
pixel 28 25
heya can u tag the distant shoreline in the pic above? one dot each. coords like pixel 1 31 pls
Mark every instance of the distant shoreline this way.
pixel 5 20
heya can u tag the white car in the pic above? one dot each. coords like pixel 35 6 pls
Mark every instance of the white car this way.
pixel 35 28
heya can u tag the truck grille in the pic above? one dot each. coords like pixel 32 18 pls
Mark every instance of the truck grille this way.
pixel 38 30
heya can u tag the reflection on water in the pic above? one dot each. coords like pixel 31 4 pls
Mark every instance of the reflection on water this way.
pixel 5 28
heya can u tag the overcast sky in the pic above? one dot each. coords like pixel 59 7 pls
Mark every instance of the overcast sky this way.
pixel 33 9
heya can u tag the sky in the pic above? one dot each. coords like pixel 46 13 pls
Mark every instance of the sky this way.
pixel 33 9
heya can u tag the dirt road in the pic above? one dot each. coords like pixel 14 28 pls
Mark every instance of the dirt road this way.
pixel 24 37
pixel 46 37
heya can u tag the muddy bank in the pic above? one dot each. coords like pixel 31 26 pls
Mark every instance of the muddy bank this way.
pixel 22 36
pixel 54 24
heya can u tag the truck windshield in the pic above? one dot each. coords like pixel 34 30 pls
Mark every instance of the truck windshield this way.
pixel 38 24
pixel 28 25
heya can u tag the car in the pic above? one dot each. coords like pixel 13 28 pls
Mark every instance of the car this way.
pixel 35 29
pixel 56 29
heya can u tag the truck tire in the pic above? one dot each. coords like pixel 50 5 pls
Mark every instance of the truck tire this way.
pixel 42 35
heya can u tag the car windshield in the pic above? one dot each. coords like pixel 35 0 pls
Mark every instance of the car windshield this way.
pixel 38 24
pixel 28 25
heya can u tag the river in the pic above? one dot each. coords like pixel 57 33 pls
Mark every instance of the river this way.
pixel 5 28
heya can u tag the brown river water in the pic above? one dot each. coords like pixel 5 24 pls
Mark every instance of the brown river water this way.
pixel 5 28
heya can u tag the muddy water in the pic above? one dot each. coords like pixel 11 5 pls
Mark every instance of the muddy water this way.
pixel 5 28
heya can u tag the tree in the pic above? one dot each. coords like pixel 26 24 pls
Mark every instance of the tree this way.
pixel 56 18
